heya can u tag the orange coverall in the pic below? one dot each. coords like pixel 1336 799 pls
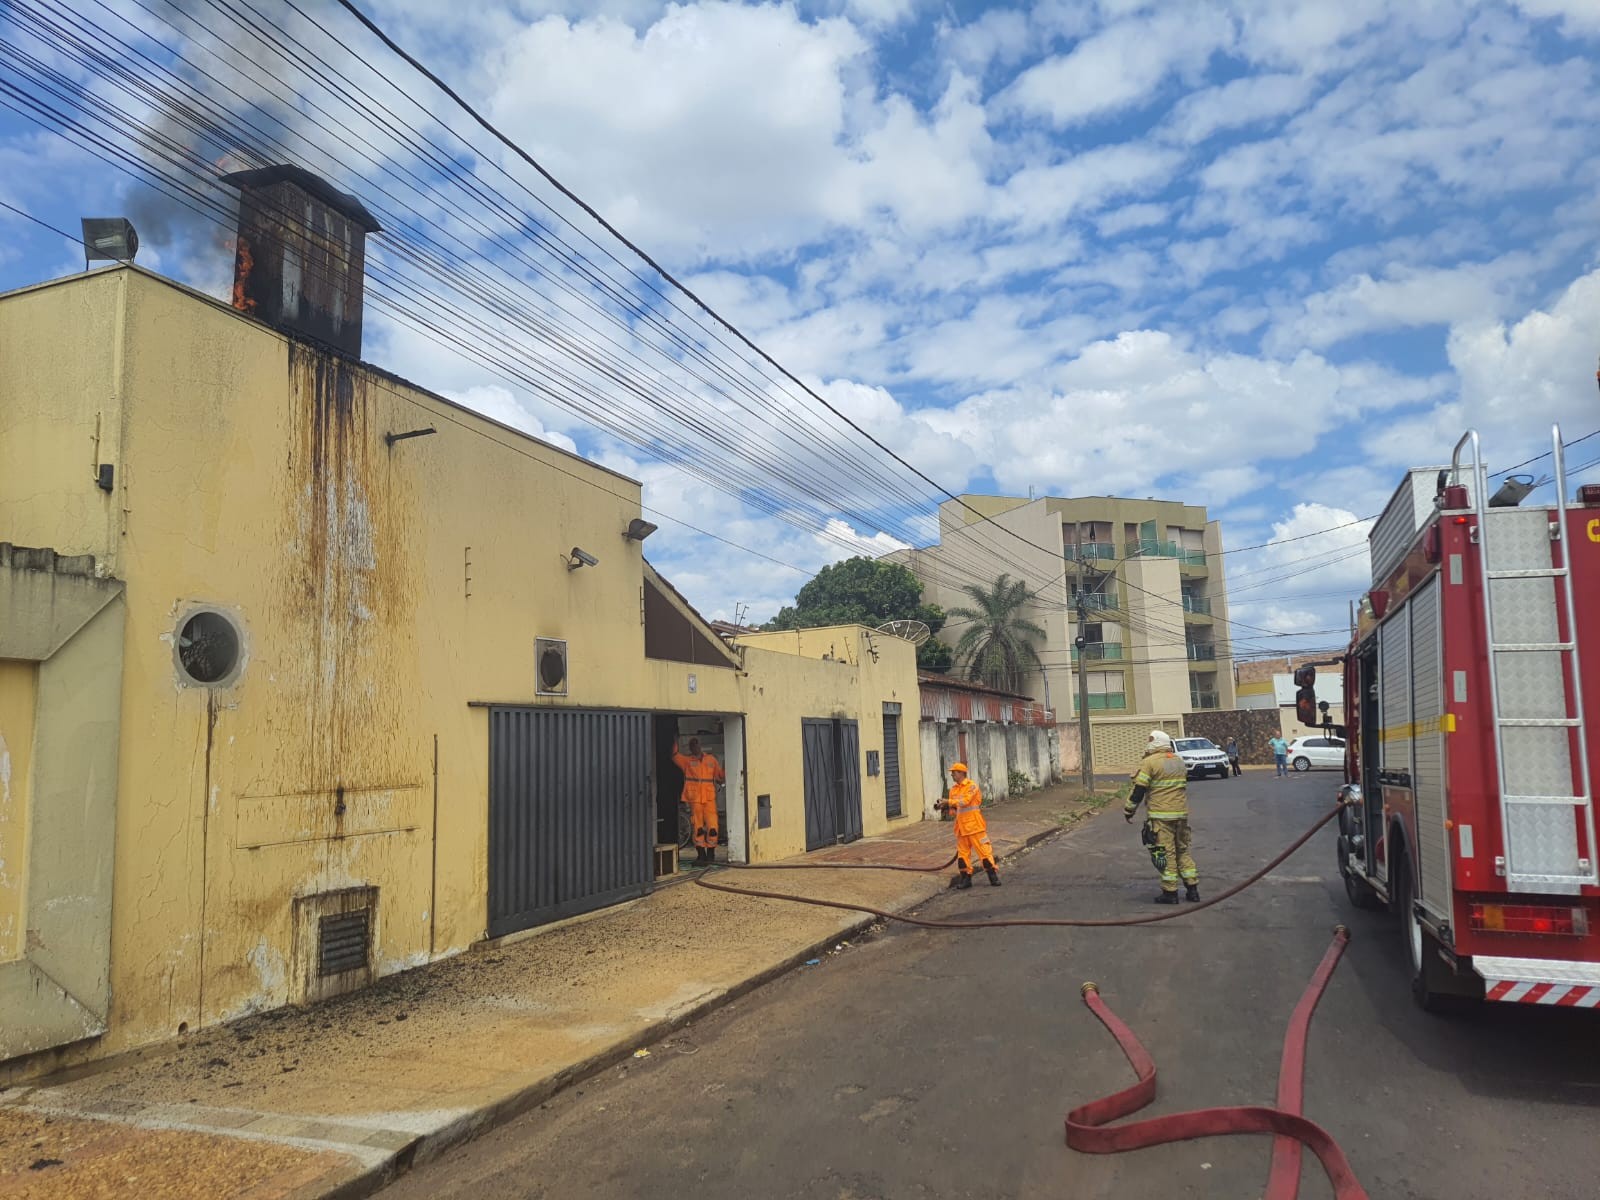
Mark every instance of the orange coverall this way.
pixel 701 774
pixel 972 831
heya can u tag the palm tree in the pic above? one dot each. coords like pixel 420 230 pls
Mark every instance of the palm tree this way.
pixel 997 647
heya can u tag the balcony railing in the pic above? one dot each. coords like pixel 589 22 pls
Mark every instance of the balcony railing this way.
pixel 1091 550
pixel 1199 653
pixel 1096 600
pixel 1200 700
pixel 1102 700
pixel 1197 604
pixel 1151 548
pixel 1099 650
pixel 1154 548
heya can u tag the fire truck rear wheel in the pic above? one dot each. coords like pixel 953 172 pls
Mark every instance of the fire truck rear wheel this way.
pixel 1359 893
pixel 1422 957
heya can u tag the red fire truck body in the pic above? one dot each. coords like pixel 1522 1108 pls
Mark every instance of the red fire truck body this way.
pixel 1469 799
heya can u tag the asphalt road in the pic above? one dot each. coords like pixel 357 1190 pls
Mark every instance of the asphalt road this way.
pixel 928 1064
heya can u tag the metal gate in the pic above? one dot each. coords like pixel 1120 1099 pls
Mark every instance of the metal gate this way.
pixel 891 759
pixel 570 813
pixel 832 754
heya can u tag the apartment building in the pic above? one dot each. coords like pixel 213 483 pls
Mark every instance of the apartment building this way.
pixel 1150 576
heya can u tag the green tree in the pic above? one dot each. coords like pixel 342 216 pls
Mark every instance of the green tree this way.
pixel 865 591
pixel 997 646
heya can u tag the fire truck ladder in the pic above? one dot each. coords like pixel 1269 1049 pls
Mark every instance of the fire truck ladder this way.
pixel 1528 602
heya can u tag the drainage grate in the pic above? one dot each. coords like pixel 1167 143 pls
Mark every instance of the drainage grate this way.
pixel 343 942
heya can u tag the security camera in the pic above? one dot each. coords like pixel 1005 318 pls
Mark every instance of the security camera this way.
pixel 581 558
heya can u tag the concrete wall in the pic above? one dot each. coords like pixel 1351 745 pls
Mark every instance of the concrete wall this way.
pixel 992 751
pixel 60 669
pixel 383 594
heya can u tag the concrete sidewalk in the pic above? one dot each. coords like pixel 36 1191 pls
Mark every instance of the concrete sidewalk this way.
pixel 337 1099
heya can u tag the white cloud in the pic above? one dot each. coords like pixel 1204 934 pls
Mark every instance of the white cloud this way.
pixel 1409 298
pixel 1577 17
pixel 718 126
pixel 1130 216
pixel 1239 102
pixel 1119 67
pixel 999 37
pixel 1516 381
pixel 499 404
pixel 1043 195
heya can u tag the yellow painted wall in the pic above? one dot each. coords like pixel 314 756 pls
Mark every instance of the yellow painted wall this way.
pixel 789 679
pixel 18 687
pixel 57 424
pixel 381 591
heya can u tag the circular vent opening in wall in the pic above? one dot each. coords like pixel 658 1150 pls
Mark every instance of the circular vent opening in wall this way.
pixel 208 648
pixel 550 661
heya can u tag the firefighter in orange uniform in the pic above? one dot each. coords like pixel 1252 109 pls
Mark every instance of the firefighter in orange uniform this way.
pixel 972 831
pixel 701 774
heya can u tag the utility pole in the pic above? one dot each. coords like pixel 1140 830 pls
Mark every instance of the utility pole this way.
pixel 1086 754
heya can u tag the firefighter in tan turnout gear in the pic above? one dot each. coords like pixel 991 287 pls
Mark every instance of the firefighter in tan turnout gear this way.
pixel 1162 782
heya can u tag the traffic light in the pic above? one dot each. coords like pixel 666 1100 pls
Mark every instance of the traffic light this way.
pixel 1305 700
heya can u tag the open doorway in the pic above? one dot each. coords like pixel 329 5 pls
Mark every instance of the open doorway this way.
pixel 720 738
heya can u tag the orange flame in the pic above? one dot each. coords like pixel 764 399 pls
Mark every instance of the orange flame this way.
pixel 243 262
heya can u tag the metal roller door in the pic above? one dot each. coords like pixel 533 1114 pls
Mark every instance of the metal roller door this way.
pixel 1427 748
pixel 570 813
pixel 891 759
pixel 832 755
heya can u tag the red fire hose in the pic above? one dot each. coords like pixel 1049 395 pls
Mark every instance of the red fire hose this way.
pixel 1089 1131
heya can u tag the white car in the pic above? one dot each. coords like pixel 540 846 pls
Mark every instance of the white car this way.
pixel 1201 756
pixel 1321 752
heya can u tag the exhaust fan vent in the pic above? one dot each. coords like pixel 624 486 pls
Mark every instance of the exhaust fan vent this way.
pixel 550 665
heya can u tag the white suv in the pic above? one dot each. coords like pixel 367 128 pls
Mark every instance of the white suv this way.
pixel 1201 756
pixel 1308 752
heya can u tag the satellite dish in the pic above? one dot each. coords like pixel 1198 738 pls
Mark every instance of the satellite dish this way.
pixel 915 632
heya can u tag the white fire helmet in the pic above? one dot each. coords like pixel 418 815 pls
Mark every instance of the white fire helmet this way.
pixel 1160 740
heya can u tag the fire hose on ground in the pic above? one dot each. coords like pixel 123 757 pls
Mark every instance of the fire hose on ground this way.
pixel 1087 1126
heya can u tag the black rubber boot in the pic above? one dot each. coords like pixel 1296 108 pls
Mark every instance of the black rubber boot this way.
pixel 994 876
pixel 964 881
pixel 699 856
pixel 1191 891
pixel 1167 898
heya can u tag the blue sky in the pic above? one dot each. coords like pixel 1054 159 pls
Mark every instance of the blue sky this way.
pixel 1255 254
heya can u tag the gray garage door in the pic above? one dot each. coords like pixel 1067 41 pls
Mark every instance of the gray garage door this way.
pixel 570 813
pixel 891 759
pixel 832 750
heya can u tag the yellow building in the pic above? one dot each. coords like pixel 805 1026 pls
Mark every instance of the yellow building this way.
pixel 310 675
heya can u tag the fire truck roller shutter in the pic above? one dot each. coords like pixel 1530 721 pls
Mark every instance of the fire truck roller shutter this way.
pixel 1427 749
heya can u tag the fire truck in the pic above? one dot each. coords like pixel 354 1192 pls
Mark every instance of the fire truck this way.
pixel 1468 805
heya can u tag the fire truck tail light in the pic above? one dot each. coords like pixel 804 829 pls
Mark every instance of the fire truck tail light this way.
pixel 1530 918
